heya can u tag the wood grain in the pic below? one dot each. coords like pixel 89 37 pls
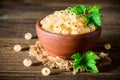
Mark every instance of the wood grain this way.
pixel 19 17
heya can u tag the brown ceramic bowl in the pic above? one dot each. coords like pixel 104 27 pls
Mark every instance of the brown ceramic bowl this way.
pixel 65 45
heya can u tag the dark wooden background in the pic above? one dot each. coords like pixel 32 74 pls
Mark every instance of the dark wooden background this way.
pixel 19 16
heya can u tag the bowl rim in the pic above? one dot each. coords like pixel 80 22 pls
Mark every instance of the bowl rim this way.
pixel 48 32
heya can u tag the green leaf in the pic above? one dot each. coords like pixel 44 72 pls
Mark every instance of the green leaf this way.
pixel 77 67
pixel 95 16
pixel 86 61
pixel 92 68
pixel 75 10
pixel 83 8
pixel 92 61
pixel 78 9
pixel 97 21
pixel 93 9
pixel 77 60
pixel 90 56
pixel 88 21
pixel 76 56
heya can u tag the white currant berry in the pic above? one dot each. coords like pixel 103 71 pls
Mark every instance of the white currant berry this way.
pixel 45 71
pixel 107 46
pixel 74 32
pixel 27 62
pixel 28 36
pixel 17 47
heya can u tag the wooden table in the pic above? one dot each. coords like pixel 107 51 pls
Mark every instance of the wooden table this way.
pixel 17 18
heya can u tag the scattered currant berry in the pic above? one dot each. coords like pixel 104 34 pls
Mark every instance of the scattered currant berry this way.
pixel 28 36
pixel 27 62
pixel 45 71
pixel 17 47
pixel 107 46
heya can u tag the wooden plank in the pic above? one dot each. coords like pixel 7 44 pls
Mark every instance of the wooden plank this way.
pixel 49 7
pixel 40 13
pixel 56 2
pixel 89 76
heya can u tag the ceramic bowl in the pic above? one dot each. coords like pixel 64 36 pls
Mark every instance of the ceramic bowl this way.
pixel 65 45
